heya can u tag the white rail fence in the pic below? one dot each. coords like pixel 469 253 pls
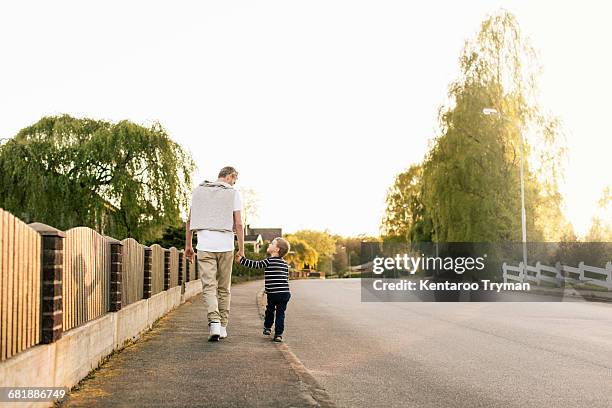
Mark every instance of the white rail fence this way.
pixel 559 274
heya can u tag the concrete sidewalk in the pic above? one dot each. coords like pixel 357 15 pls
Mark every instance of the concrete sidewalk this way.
pixel 175 366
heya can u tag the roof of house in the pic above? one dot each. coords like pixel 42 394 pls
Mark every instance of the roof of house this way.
pixel 252 237
pixel 268 234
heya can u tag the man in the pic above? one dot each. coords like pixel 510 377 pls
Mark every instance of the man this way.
pixel 215 214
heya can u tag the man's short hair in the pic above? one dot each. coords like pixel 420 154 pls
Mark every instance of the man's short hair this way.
pixel 227 171
pixel 283 246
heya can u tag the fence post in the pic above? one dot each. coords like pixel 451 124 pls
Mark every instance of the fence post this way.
pixel 189 266
pixel 148 265
pixel 560 275
pixel 116 274
pixel 166 269
pixel 180 269
pixel 52 270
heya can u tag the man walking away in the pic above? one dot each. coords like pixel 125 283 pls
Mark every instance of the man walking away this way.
pixel 215 214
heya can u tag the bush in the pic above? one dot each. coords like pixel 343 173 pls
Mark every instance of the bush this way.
pixel 240 270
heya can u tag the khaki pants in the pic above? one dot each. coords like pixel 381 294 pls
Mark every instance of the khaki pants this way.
pixel 216 270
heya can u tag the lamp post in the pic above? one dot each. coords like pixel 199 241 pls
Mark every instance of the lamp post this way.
pixel 494 112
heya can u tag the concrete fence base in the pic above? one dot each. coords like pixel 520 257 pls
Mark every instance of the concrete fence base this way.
pixel 192 288
pixel 67 361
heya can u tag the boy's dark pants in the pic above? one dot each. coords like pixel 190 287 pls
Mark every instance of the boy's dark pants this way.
pixel 276 302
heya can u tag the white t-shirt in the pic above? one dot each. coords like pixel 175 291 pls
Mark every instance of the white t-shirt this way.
pixel 218 241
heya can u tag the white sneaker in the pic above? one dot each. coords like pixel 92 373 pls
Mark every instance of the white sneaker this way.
pixel 223 333
pixel 214 331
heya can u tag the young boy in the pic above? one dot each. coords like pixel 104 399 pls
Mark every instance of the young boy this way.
pixel 276 285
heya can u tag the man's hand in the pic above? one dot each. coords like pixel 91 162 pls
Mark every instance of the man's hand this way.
pixel 188 242
pixel 189 253
pixel 238 257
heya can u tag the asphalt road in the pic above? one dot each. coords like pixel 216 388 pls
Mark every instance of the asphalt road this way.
pixel 556 354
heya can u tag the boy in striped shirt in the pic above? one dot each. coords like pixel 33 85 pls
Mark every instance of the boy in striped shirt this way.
pixel 276 278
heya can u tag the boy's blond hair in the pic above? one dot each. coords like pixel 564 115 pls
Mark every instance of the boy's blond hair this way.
pixel 283 246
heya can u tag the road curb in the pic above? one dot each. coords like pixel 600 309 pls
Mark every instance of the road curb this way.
pixel 313 388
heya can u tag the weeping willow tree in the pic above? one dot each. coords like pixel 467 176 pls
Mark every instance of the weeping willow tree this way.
pixel 405 218
pixel 122 179
pixel 471 176
pixel 601 223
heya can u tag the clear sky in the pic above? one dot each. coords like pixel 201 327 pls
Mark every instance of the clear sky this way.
pixel 318 104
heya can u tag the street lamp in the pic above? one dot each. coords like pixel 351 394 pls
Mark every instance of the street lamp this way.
pixel 494 112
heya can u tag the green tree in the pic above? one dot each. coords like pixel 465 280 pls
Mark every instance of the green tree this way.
pixel 601 223
pixel 122 179
pixel 301 255
pixel 173 236
pixel 405 218
pixel 323 243
pixel 471 176
pixel 320 241
pixel 348 249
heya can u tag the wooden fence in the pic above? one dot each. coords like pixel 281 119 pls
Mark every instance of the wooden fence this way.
pixel 157 269
pixel 133 271
pixel 192 268
pixel 20 259
pixel 560 274
pixel 174 266
pixel 85 273
pixel 86 278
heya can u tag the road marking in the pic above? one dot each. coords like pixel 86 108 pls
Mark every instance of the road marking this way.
pixel 313 389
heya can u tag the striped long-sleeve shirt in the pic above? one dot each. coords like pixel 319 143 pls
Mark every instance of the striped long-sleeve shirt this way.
pixel 276 274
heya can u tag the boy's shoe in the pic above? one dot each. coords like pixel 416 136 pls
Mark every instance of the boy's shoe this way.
pixel 223 333
pixel 267 331
pixel 214 331
pixel 278 339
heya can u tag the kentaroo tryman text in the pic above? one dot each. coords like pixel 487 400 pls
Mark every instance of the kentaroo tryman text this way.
pixel 425 284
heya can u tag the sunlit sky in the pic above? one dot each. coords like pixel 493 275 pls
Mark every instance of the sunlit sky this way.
pixel 318 104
